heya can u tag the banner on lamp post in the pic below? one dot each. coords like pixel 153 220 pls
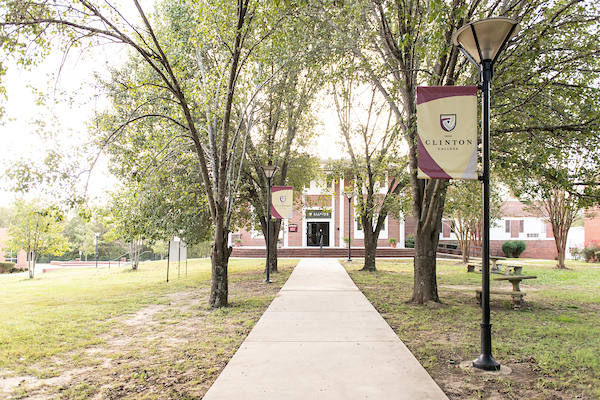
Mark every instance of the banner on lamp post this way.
pixel 447 132
pixel 282 199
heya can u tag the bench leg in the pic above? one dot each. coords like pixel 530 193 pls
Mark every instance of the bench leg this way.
pixel 517 301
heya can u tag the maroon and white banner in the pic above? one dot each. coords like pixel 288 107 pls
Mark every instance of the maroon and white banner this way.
pixel 447 132
pixel 282 199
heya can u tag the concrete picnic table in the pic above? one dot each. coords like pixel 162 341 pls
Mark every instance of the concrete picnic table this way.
pixel 515 280
pixel 516 293
pixel 494 259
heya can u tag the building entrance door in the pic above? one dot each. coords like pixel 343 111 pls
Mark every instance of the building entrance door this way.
pixel 315 231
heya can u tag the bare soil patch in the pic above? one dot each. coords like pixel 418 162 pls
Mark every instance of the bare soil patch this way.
pixel 172 350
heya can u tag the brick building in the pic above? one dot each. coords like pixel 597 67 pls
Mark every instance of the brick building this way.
pixel 519 224
pixel 323 211
pixel 19 258
pixel 592 225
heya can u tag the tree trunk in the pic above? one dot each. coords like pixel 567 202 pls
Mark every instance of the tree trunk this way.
pixel 370 250
pixel 560 239
pixel 464 249
pixel 220 258
pixel 428 221
pixel 370 241
pixel 425 280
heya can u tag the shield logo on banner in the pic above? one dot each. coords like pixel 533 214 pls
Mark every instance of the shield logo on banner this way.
pixel 448 121
pixel 282 199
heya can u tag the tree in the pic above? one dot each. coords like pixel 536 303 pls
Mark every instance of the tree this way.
pixel 385 42
pixel 548 117
pixel 551 202
pixel 6 215
pixel 375 167
pixel 463 209
pixel 399 45
pixel 80 229
pixel 36 228
pixel 160 198
pixel 219 44
pixel 284 126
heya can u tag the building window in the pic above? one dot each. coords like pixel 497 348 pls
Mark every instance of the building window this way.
pixel 359 226
pixel 533 235
pixel 383 234
pixel 521 226
pixel 507 226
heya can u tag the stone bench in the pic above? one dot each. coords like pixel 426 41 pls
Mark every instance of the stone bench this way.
pixel 517 297
pixel 514 269
pixel 471 267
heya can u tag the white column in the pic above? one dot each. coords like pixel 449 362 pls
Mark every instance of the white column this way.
pixel 303 227
pixel 401 238
pixel 342 211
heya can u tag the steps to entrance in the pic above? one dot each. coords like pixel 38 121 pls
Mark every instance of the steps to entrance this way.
pixel 327 252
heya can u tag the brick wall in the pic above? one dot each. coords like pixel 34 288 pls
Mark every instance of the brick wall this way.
pixel 592 225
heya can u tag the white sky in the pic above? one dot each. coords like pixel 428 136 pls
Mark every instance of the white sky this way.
pixel 19 138
pixel 18 134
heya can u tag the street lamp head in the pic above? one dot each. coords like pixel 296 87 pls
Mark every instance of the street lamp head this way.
pixel 269 170
pixel 483 40
pixel 349 195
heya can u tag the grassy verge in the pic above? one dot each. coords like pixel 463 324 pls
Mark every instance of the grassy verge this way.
pixel 552 344
pixel 120 333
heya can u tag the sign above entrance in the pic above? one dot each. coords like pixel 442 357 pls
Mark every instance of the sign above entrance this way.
pixel 318 214
pixel 282 202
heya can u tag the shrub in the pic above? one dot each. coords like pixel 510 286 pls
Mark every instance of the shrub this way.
pixel 513 248
pixel 392 240
pixel 6 267
pixel 591 251
pixel 576 252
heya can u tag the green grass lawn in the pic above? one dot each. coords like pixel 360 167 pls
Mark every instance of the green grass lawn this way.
pixel 129 334
pixel 552 344
pixel 116 326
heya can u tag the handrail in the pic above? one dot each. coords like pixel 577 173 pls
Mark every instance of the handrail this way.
pixel 443 248
pixel 118 258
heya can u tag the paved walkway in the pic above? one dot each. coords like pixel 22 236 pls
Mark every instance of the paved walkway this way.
pixel 322 339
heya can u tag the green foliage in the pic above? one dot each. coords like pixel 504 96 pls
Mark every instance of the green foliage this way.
pixel 6 215
pixel 409 241
pixel 37 227
pixel 513 248
pixel 556 122
pixel 463 208
pixel 591 251
pixel 6 267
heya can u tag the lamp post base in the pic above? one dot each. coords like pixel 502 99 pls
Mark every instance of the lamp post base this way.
pixel 487 363
pixel 268 280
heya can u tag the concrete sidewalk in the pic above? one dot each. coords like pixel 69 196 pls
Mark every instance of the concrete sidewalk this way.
pixel 322 339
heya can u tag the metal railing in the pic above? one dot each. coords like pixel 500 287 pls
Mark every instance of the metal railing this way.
pixel 454 249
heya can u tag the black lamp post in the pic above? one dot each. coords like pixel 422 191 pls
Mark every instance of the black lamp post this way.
pixel 269 171
pixel 481 42
pixel 349 195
